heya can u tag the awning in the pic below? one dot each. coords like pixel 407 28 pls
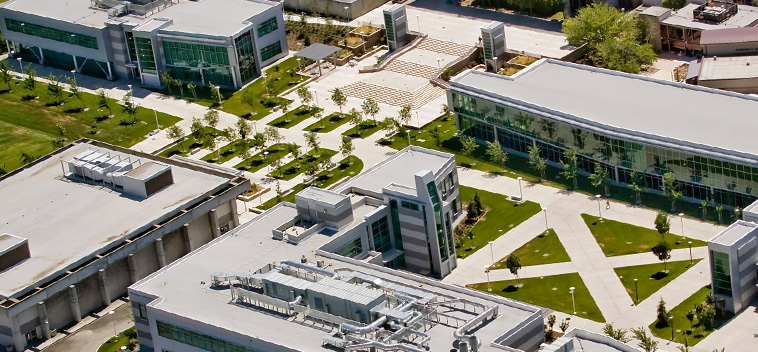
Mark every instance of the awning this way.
pixel 317 51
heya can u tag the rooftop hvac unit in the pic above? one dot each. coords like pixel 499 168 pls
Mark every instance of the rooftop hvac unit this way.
pixel 118 10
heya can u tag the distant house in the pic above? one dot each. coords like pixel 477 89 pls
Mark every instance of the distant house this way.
pixel 729 41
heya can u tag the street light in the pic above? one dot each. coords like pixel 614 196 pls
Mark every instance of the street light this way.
pixel 408 132
pixel 218 90
pixel 671 319
pixel 265 160
pixel 492 252
pixel 520 192
pixel 418 22
pixel 690 243
pixel 599 213
pixel 347 16
pixel 73 72
pixel 255 127
pixel 681 221
pixel 157 125
pixel 265 83
pixel 546 227
pixel 363 39
pixel 438 63
pixel 131 92
pixel 113 320
pixel 418 121
pixel 573 303
pixel 487 271
pixel 636 294
pixel 21 65
pixel 315 93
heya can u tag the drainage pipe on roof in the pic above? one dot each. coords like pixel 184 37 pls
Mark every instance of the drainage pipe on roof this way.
pixel 308 267
pixel 383 346
pixel 460 333
pixel 376 324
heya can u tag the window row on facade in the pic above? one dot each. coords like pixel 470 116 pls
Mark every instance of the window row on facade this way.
pixel 58 35
pixel 200 340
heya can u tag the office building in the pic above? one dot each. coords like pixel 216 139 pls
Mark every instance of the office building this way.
pixel 277 284
pixel 729 41
pixel 211 42
pixel 84 223
pixel 733 73
pixel 624 122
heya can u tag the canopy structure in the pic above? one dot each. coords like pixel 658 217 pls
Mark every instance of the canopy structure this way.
pixel 317 52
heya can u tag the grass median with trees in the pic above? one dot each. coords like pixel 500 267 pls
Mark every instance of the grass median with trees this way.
pixel 546 248
pixel 705 319
pixel 650 277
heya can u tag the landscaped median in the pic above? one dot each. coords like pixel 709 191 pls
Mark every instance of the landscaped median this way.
pixel 294 117
pixel 702 325
pixel 549 291
pixel 363 130
pixel 302 164
pixel 546 248
pixel 618 238
pixel 501 215
pixel 127 338
pixel 650 277
pixel 328 124
pixel 260 160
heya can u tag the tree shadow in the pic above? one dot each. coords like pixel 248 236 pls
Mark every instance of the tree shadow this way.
pixel 511 288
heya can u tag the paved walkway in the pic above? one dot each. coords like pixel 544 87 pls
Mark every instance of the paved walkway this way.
pixel 92 331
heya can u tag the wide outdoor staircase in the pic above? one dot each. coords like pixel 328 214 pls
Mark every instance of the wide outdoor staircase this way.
pixel 411 68
pixel 425 94
pixel 444 47
pixel 392 96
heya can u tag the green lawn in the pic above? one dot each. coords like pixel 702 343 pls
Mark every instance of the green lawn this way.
pixel 295 167
pixel 543 249
pixel 188 144
pixel 698 332
pixel 618 238
pixel 294 117
pixel 322 180
pixel 114 344
pixel 499 219
pixel 650 277
pixel 260 160
pixel 328 124
pixel 550 292
pixel 518 166
pixel 366 129
pixel 284 77
pixel 30 125
pixel 229 151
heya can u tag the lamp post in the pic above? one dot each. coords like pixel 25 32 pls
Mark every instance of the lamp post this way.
pixel 218 89
pixel 73 72
pixel 636 294
pixel 20 65
pixel 363 40
pixel 545 210
pixel 157 125
pixel 265 160
pixel 690 243
pixel 265 83
pixel 681 221
pixel 494 64
pixel 492 252
pixel 418 121
pixel 573 303
pixel 347 16
pixel 520 192
pixel 408 132
pixel 298 64
pixel 487 271
pixel 599 212
pixel 315 94
pixel 113 320
pixel 305 139
pixel 439 67
pixel 131 92
pixel 671 319
pixel 418 22
pixel 255 127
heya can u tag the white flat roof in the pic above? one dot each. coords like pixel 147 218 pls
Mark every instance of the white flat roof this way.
pixel 399 169
pixel 210 17
pixel 67 220
pixel 730 67
pixel 746 16
pixel 682 115
pixel 733 233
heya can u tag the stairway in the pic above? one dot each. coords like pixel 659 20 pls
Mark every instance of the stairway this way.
pixel 444 47
pixel 411 68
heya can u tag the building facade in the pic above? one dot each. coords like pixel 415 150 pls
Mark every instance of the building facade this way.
pixel 556 105
pixel 218 42
pixel 91 219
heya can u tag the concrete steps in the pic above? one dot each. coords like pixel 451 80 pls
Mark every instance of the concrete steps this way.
pixel 444 47
pixel 411 68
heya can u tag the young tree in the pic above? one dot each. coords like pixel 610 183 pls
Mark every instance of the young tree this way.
pixel 193 89
pixel 259 141
pixel 468 145
pixel 404 115
pixel 103 102
pixel 305 95
pixel 248 97
pixel 704 204
pixel 243 129
pixel 720 212
pixel 570 166
pixel 616 334
pixel 356 118
pixel 513 263
pixel 213 146
pixel 270 85
pixel 638 185
pixel 311 138
pixel 54 87
pixel 671 189
pixel 294 149
pixel 5 73
pixel 347 148
pixel 216 95
pixel 599 177
pixel 230 135
pixel 29 82
pixel 179 84
pixel 211 118
pixel 646 342
pixel 370 108
pixel 690 315
pixel 129 107
pixel 273 135
pixel 496 153
pixel 662 250
pixel 166 79
pixel 434 132
pixel 536 162
pixel 662 223
pixel 614 40
pixel 339 99
pixel 197 129
pixel 564 326
pixel 662 314
pixel 74 88
pixel 551 319
pixel 176 134
pixel 278 192
pixel 444 110
pixel 277 165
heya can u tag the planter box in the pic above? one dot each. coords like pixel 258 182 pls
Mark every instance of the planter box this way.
pixel 247 198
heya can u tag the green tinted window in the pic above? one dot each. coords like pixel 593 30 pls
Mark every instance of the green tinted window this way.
pixel 388 26
pixel 145 54
pixel 130 46
pixel 246 57
pixel 351 249
pixel 267 26
pixel 199 340
pixel 51 33
pixel 271 51
pixel 194 55
pixel 380 230
pixel 722 279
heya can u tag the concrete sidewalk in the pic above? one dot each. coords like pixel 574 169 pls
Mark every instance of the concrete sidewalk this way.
pixel 93 331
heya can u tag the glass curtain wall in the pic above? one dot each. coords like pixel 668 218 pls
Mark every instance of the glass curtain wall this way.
pixel 199 340
pixel 199 63
pixel 246 57
pixel 722 279
pixel 145 55
pixel 442 240
pixel 699 177
pixel 55 34
pixel 380 230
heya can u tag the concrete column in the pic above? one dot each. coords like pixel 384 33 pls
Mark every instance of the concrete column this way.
pixel 76 64
pixel 74 301
pixel 110 74
pixel 43 322
pixel 41 57
pixel 235 217
pixel 160 252
pixel 185 234
pixel 19 340
pixel 102 282
pixel 132 264
pixel 215 230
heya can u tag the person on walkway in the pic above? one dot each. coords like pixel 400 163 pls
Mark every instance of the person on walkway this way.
pixel 607 204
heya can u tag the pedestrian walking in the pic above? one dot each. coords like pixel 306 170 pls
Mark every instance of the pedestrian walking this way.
pixel 607 204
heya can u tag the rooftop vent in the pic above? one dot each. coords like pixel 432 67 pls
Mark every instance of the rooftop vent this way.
pixel 715 11
pixel 13 250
